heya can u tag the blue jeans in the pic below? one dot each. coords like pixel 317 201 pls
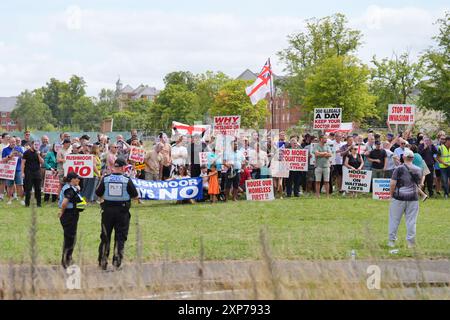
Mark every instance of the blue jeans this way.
pixel 445 174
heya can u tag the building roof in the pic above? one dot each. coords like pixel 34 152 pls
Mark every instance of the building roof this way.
pixel 7 104
pixel 249 75
pixel 127 89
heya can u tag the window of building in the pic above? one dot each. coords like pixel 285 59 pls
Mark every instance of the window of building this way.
pixel 4 114
pixel 3 123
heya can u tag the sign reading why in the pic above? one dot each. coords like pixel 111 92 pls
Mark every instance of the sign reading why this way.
pixel 356 180
pixel 259 190
pixel 227 125
pixel 51 182
pixel 137 154
pixel 183 189
pixel 327 119
pixel 381 189
pixel 297 159
pixel 82 164
pixel 401 114
pixel 8 169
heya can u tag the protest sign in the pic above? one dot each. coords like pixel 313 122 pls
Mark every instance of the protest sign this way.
pixel 81 164
pixel 401 114
pixel 227 125
pixel 183 189
pixel 139 166
pixel 381 189
pixel 8 169
pixel 327 118
pixel 51 182
pixel 137 154
pixel 203 158
pixel 345 127
pixel 259 190
pixel 279 169
pixel 297 159
pixel 356 180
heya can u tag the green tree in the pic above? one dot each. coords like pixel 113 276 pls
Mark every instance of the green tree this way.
pixel 394 81
pixel 107 101
pixel 51 95
pixel 86 116
pixel 208 85
pixel 435 90
pixel 323 38
pixel 340 82
pixel 31 111
pixel 232 100
pixel 184 78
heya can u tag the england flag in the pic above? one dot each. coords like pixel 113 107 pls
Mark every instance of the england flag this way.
pixel 259 89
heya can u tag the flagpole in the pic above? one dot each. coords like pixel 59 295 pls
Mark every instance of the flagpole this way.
pixel 271 94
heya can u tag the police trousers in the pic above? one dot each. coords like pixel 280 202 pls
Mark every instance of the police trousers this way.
pixel 115 218
pixel 69 222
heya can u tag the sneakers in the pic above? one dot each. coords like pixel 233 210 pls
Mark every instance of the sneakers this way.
pixel 22 202
pixel 391 244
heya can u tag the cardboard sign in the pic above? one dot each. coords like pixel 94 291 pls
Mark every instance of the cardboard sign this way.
pixel 82 164
pixel 279 169
pixel 356 180
pixel 137 154
pixel 203 158
pixel 259 190
pixel 227 125
pixel 297 159
pixel 381 189
pixel 8 169
pixel 51 182
pixel 327 118
pixel 401 114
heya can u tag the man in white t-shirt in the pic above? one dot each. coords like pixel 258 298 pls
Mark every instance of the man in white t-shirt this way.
pixel 336 145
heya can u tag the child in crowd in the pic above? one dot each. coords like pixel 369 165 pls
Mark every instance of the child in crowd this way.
pixel 213 184
pixel 205 177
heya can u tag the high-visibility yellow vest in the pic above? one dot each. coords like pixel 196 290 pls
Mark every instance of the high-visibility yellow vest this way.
pixel 445 156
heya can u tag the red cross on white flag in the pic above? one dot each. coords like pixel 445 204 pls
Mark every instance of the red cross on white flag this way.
pixel 259 89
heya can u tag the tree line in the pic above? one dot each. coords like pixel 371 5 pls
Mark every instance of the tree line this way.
pixel 322 70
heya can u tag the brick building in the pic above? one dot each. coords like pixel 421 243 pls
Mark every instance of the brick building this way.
pixel 284 116
pixel 7 105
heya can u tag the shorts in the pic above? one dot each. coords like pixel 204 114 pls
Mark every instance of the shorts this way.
pixel 437 172
pixel 17 180
pixel 232 181
pixel 325 172
pixel 337 169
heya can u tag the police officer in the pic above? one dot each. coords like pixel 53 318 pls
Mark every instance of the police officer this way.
pixel 71 204
pixel 117 190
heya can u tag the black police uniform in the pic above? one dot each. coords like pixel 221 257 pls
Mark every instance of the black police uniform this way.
pixel 117 191
pixel 69 221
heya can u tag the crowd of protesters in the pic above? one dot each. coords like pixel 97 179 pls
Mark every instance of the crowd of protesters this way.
pixel 230 162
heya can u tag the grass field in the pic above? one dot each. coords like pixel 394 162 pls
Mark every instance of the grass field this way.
pixel 303 228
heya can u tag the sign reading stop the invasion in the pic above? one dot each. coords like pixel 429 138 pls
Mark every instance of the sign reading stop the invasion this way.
pixel 259 190
pixel 51 182
pixel 81 164
pixel 297 159
pixel 137 154
pixel 8 169
pixel 327 118
pixel 381 189
pixel 356 180
pixel 227 125
pixel 401 114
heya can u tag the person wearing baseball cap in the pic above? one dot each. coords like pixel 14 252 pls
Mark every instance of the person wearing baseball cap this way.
pixel 71 204
pixel 404 199
pixel 116 190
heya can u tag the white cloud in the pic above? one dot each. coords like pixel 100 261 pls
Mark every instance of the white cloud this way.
pixel 143 46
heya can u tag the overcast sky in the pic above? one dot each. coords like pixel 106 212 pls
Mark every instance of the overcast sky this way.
pixel 144 40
